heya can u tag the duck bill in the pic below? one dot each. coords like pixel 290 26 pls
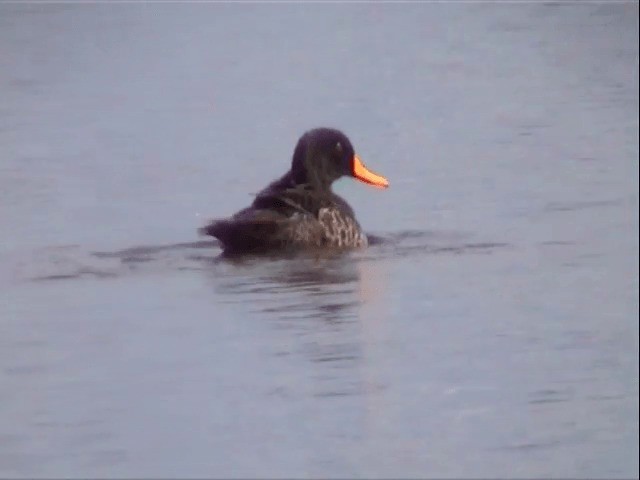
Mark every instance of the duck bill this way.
pixel 365 175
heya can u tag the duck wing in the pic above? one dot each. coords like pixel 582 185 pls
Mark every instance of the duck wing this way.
pixel 278 218
pixel 249 229
pixel 259 229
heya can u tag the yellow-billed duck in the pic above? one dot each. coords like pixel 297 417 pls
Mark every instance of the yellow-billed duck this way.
pixel 300 210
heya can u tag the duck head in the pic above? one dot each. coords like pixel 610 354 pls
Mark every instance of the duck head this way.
pixel 323 155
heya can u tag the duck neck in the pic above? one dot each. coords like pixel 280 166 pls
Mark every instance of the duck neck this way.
pixel 314 179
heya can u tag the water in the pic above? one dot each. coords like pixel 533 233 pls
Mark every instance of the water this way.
pixel 490 331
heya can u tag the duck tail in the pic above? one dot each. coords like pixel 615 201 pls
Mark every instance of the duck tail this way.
pixel 242 235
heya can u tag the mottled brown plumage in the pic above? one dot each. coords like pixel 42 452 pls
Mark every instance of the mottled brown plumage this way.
pixel 300 210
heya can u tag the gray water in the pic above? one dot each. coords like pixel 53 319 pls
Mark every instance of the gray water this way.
pixel 490 331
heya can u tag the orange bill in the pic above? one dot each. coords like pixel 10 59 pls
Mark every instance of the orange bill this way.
pixel 367 176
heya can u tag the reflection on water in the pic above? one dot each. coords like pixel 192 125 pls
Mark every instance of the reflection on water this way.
pixel 319 282
pixel 313 302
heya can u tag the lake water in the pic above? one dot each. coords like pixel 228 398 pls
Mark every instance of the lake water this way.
pixel 490 331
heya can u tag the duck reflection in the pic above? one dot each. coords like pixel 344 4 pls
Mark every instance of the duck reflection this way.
pixel 313 304
pixel 323 287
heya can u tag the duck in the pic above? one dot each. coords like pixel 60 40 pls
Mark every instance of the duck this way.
pixel 300 210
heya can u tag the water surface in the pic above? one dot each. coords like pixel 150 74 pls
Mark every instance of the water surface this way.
pixel 491 329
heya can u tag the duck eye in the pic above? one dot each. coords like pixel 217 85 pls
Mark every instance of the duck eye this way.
pixel 339 147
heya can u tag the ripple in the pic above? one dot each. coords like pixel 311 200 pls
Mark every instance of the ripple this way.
pixel 74 262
